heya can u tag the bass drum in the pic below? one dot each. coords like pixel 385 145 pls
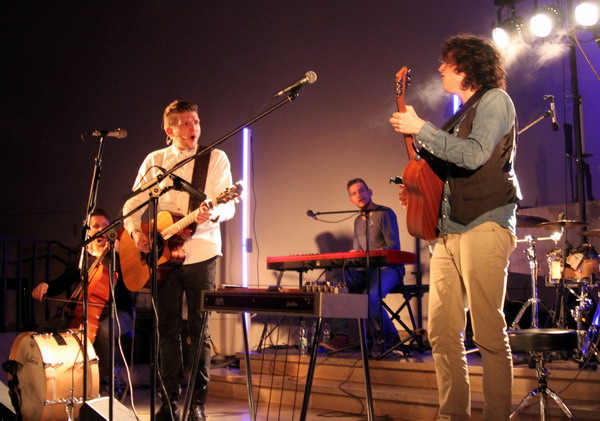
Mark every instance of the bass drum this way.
pixel 50 374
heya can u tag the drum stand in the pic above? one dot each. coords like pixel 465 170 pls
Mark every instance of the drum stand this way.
pixel 579 313
pixel 591 340
pixel 534 301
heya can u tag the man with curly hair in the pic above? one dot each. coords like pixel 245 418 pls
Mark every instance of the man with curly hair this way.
pixel 476 226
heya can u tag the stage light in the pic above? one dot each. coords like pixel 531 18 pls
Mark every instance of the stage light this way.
pixel 544 22
pixel 586 13
pixel 508 31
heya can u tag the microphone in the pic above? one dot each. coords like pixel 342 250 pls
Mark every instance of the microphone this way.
pixel 309 77
pixel 552 112
pixel 311 214
pixel 118 133
pixel 182 185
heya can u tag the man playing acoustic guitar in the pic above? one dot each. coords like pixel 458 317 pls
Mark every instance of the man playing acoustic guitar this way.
pixel 201 248
pixel 476 226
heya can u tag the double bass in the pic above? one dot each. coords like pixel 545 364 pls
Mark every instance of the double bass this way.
pixel 98 296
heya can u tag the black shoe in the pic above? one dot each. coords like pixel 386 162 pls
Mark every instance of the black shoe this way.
pixel 164 412
pixel 197 413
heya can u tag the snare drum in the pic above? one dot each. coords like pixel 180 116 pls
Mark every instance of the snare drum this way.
pixel 50 374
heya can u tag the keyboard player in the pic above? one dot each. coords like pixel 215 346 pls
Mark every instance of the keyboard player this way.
pixel 383 234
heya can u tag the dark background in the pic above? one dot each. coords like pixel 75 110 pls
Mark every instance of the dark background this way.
pixel 73 66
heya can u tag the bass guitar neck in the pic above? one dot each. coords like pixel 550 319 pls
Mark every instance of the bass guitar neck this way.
pixel 423 185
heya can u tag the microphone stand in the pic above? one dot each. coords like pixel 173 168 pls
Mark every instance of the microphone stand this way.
pixel 111 234
pixel 545 115
pixel 362 323
pixel 112 268
pixel 84 261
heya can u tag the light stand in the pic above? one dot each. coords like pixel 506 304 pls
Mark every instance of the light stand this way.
pixel 577 122
pixel 577 103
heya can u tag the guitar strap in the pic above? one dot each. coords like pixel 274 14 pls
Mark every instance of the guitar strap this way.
pixel 448 125
pixel 199 176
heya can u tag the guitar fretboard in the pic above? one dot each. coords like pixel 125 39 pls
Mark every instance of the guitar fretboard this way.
pixel 184 222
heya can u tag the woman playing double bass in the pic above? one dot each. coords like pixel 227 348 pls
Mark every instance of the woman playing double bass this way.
pixel 98 293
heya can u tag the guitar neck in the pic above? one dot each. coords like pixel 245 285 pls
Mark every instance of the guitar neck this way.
pixel 185 221
pixel 169 232
pixel 409 141
pixel 402 79
pixel 232 193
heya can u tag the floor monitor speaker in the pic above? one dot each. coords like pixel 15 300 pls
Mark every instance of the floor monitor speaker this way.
pixel 97 410
pixel 7 411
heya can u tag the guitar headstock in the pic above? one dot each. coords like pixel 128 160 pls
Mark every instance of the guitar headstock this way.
pixel 232 193
pixel 402 82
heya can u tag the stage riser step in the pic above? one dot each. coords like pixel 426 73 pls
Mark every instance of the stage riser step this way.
pixel 344 369
pixel 399 403
pixel 422 375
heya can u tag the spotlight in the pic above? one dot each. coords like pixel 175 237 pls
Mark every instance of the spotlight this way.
pixel 586 13
pixel 544 22
pixel 509 30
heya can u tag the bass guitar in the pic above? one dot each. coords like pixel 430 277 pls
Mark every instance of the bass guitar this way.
pixel 420 177
pixel 135 266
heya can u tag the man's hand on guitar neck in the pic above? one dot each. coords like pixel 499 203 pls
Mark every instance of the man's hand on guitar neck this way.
pixel 206 214
pixel 408 122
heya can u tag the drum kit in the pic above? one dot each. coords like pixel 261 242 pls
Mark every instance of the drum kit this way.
pixel 575 273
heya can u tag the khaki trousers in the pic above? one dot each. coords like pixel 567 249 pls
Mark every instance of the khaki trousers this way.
pixel 469 271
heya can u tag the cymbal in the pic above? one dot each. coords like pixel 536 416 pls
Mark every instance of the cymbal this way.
pixel 529 221
pixel 561 223
pixel 590 233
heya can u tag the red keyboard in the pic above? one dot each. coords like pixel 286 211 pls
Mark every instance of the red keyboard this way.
pixel 341 260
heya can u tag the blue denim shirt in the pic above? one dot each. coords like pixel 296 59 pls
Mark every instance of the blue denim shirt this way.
pixel 495 117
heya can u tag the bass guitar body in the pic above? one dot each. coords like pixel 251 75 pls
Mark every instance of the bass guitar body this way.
pixel 421 178
pixel 424 189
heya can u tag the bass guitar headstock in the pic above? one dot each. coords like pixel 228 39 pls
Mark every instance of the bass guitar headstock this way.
pixel 402 82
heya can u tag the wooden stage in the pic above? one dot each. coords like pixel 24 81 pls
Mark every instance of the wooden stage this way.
pixel 403 388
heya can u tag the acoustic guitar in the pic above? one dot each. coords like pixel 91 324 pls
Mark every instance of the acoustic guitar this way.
pixel 420 177
pixel 135 266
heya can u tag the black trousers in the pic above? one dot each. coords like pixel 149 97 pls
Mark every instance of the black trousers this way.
pixel 191 280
